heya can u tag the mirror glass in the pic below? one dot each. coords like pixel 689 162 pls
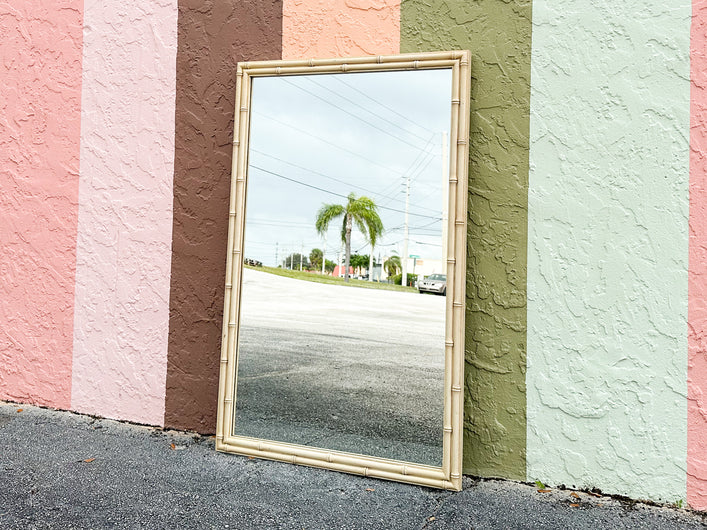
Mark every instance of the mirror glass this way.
pixel 357 365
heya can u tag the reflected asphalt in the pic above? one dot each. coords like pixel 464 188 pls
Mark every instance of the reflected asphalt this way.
pixel 343 368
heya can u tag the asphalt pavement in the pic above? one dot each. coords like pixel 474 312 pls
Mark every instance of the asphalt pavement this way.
pixel 64 470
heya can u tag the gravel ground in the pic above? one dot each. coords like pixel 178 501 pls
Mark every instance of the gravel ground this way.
pixel 64 470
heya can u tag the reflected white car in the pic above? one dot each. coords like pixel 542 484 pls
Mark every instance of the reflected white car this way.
pixel 434 283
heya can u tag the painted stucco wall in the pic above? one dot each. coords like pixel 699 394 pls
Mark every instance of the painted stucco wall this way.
pixel 608 246
pixel 697 279
pixel 213 37
pixel 115 156
pixel 125 209
pixel 340 28
pixel 40 97
pixel 498 35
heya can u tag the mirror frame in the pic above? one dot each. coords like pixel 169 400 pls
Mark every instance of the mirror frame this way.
pixel 448 476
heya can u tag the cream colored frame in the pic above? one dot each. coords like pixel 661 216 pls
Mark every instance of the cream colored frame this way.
pixel 448 476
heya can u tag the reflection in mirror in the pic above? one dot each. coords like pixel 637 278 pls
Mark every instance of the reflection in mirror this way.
pixel 348 202
pixel 346 168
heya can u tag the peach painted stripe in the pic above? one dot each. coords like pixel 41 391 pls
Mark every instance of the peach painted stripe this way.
pixel 40 118
pixel 125 209
pixel 340 28
pixel 697 286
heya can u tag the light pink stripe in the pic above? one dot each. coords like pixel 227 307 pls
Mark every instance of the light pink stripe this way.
pixel 40 118
pixel 125 209
pixel 697 307
pixel 340 28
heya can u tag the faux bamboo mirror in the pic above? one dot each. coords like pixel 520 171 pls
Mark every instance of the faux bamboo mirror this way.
pixel 348 203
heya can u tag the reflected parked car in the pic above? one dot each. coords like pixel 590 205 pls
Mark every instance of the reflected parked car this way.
pixel 434 283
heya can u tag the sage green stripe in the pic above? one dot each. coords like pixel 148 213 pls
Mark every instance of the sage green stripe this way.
pixel 609 247
pixel 498 35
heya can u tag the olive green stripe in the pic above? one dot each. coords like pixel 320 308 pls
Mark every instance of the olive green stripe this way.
pixel 498 35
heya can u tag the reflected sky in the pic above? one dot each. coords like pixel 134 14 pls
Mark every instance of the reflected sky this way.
pixel 316 138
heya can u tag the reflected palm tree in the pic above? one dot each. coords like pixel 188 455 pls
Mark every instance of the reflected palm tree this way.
pixel 392 265
pixel 360 211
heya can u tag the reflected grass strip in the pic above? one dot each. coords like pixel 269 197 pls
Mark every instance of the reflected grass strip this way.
pixel 318 278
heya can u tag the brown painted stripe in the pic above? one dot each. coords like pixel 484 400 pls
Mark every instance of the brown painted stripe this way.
pixel 212 38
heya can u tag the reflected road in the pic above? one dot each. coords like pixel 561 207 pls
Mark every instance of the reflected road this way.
pixel 345 368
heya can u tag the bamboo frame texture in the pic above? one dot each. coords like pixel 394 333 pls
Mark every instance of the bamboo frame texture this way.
pixel 448 476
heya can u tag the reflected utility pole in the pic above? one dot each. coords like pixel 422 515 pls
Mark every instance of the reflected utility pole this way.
pixel 405 238
pixel 445 200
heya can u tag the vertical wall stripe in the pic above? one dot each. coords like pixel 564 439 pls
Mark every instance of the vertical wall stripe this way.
pixel 40 118
pixel 125 209
pixel 608 246
pixel 697 335
pixel 212 38
pixel 498 35
pixel 340 28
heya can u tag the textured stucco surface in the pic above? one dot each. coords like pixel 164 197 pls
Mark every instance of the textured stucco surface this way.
pixel 340 28
pixel 213 36
pixel 697 286
pixel 125 209
pixel 608 246
pixel 40 101
pixel 617 367
pixel 498 35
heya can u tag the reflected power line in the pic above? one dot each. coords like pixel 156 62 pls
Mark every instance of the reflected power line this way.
pixel 336 194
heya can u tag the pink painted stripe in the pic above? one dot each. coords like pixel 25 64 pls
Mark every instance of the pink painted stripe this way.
pixel 40 118
pixel 697 307
pixel 340 28
pixel 125 209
